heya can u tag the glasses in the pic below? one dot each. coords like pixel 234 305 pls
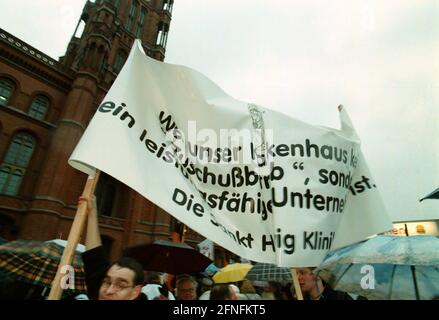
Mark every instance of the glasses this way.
pixel 118 286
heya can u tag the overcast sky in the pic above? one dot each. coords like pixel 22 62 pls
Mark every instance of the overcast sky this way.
pixel 380 59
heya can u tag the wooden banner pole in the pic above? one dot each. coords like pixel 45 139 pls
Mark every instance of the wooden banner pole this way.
pixel 296 284
pixel 74 236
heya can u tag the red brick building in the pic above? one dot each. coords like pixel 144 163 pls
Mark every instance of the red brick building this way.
pixel 45 106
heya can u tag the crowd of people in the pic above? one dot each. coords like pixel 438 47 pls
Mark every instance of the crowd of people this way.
pixel 126 279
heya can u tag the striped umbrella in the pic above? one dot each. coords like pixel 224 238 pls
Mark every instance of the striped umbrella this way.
pixel 269 272
pixel 36 262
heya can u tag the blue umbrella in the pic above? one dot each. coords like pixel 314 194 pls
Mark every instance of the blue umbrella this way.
pixel 386 267
pixel 211 270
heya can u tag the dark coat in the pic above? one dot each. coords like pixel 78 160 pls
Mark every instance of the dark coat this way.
pixel 330 294
pixel 96 266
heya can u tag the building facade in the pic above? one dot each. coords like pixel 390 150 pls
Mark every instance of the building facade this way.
pixel 45 106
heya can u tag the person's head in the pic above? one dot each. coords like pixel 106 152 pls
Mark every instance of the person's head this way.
pixel 310 284
pixel 268 294
pixel 223 292
pixel 186 288
pixel 235 289
pixel 123 281
pixel 247 287
pixel 205 284
pixel 155 277
pixel 276 288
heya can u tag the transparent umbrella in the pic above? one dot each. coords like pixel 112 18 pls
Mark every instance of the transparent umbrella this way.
pixel 386 267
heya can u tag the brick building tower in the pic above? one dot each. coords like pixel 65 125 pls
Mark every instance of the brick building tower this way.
pixel 45 106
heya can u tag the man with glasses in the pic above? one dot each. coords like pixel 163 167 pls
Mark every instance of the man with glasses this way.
pixel 186 288
pixel 223 291
pixel 122 280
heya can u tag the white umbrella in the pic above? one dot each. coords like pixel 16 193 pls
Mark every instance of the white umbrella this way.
pixel 63 243
pixel 386 267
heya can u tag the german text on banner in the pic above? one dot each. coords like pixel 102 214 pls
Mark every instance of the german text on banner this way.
pixel 263 185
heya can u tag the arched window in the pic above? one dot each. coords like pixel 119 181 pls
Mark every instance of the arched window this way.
pixel 140 23
pixel 177 229
pixel 167 5
pixel 8 227
pixel 80 29
pixel 107 200
pixel 107 244
pixel 15 163
pixel 106 195
pixel 131 15
pixel 39 107
pixel 162 34
pixel 121 57
pixel 6 89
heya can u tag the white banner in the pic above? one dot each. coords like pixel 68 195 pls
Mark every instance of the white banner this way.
pixel 265 186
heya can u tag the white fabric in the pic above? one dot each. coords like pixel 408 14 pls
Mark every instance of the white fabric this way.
pixel 152 292
pixel 314 192
pixel 63 243
pixel 205 295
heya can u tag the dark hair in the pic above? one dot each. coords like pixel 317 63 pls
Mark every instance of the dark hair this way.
pixel 277 290
pixel 154 277
pixel 135 266
pixel 220 292
pixel 185 278
pixel 164 291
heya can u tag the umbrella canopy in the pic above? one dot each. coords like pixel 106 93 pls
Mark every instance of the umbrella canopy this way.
pixel 36 262
pixel 169 257
pixel 232 273
pixel 399 268
pixel 269 272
